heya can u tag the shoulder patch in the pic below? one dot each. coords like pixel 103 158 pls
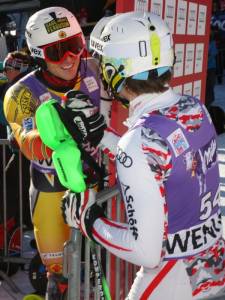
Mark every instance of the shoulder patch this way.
pixel 178 142
pixel 45 97
pixel 91 84
pixel 19 103
pixel 28 124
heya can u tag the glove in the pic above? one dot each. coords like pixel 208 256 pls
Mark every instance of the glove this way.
pixel 81 211
pixel 68 208
pixel 86 116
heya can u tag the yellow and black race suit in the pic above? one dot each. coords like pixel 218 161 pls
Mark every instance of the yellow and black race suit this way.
pixel 20 104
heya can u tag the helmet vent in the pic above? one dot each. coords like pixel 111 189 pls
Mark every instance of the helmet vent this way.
pixel 141 22
pixel 53 15
pixel 118 29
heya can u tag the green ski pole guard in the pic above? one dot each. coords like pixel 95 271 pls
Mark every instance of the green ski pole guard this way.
pixel 66 155
pixel 66 159
pixel 50 126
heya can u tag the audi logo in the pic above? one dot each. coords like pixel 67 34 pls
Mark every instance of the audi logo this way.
pixel 124 159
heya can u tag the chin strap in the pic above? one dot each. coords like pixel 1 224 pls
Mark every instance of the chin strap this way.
pixel 124 101
pixel 113 95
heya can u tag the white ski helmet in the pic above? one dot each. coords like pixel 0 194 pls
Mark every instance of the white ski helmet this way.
pixel 130 45
pixel 50 25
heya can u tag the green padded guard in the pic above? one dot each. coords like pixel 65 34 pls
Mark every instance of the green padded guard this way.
pixel 66 156
pixel 49 125
pixel 66 159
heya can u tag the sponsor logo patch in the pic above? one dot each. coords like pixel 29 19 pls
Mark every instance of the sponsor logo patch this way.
pixel 129 203
pixel 91 84
pixel 178 142
pixel 97 45
pixel 51 255
pixel 106 38
pixel 123 158
pixel 62 34
pixel 194 239
pixel 55 268
pixel 57 24
pixel 36 51
pixel 45 97
pixel 26 101
pixel 28 124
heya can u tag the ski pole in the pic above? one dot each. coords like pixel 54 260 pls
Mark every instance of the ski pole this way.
pixel 102 283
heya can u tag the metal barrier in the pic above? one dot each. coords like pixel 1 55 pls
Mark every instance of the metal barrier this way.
pixel 5 258
pixel 73 262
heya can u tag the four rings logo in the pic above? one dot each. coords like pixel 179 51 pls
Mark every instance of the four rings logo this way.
pixel 124 159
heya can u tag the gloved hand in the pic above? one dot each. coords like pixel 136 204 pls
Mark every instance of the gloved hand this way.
pixel 68 208
pixel 81 211
pixel 86 116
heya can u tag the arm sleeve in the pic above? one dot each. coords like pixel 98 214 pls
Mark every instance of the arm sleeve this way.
pixel 140 239
pixel 109 143
pixel 19 110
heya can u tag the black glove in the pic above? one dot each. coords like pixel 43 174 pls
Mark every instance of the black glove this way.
pixel 86 116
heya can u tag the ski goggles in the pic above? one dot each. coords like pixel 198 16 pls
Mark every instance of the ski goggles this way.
pixel 12 63
pixel 56 52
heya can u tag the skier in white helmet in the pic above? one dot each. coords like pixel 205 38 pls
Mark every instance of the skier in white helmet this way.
pixel 166 157
pixel 57 44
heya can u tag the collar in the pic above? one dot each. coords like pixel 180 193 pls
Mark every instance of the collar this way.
pixel 56 82
pixel 147 103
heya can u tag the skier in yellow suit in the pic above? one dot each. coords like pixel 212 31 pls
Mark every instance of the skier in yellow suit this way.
pixel 56 42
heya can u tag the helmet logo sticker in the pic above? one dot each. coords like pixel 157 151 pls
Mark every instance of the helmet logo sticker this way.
pixel 57 24
pixel 62 34
pixel 106 38
pixel 36 51
pixel 97 45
